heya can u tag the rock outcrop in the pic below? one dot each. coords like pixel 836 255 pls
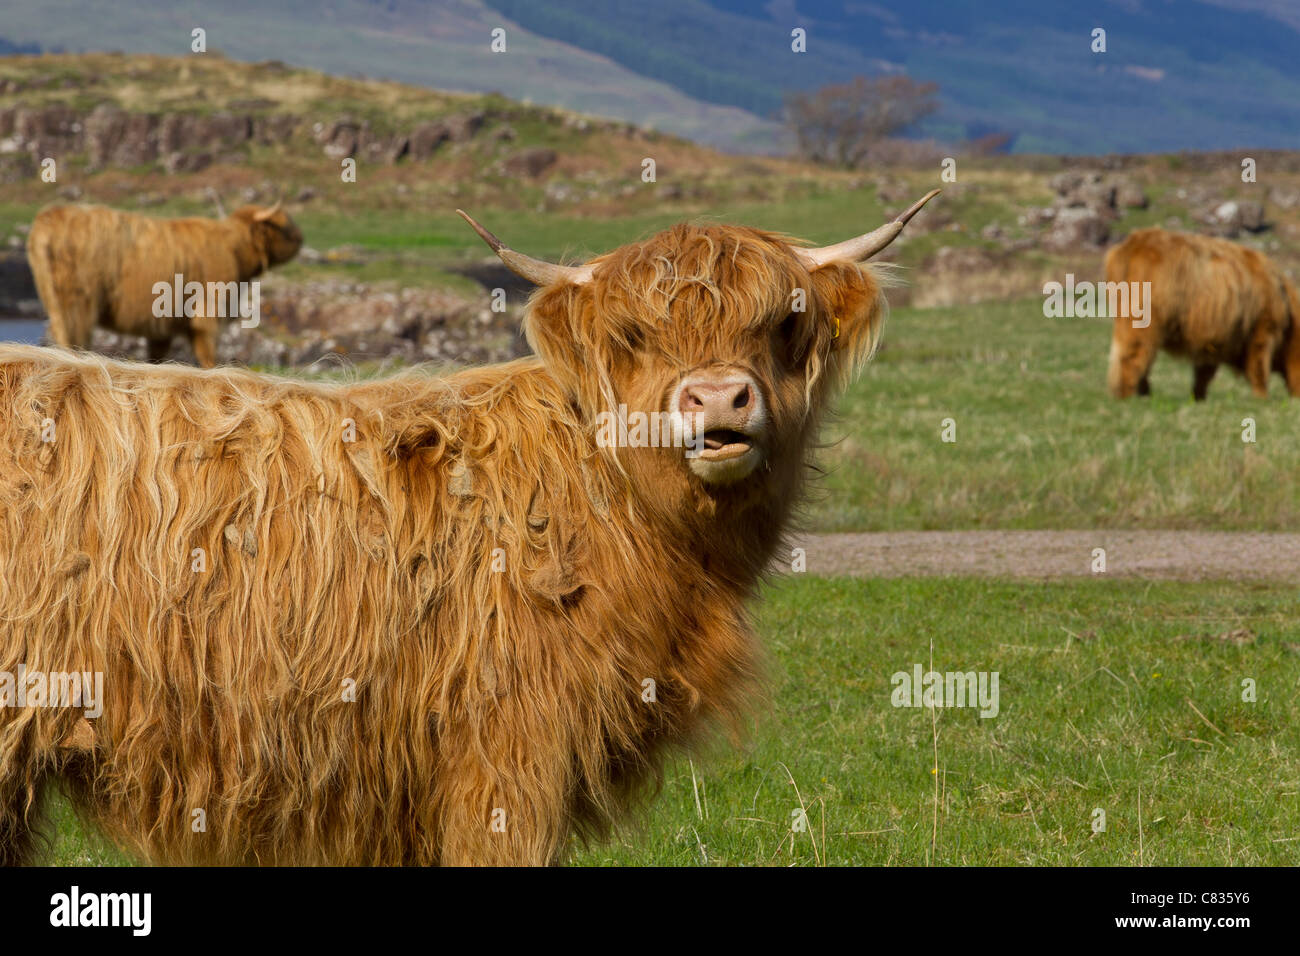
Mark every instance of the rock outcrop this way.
pixel 109 136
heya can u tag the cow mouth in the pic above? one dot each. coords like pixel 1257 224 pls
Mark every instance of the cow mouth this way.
pixel 724 444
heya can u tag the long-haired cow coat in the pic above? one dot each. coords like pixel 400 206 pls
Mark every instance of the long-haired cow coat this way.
pixel 413 620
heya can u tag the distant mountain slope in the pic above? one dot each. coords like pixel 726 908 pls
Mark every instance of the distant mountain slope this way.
pixel 716 54
pixel 10 48
pixel 1177 73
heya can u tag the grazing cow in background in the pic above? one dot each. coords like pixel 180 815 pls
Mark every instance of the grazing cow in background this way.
pixel 417 620
pixel 98 266
pixel 1211 301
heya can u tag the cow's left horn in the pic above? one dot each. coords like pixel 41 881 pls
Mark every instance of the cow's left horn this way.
pixel 264 214
pixel 537 271
pixel 863 247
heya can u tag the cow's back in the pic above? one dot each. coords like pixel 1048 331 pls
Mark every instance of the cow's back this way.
pixel 306 599
pixel 207 542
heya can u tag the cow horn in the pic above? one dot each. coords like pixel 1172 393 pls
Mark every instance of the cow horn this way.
pixel 863 247
pixel 264 214
pixel 216 200
pixel 536 271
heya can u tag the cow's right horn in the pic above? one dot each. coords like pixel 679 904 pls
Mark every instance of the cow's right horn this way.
pixel 863 247
pixel 537 271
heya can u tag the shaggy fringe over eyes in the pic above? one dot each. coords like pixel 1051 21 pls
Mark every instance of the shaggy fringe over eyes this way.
pixel 693 291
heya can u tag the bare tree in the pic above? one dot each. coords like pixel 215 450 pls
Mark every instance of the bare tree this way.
pixel 837 124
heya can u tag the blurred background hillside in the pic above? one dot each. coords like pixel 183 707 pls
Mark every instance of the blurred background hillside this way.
pixel 1177 74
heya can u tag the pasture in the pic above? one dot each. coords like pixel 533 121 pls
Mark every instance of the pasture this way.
pixel 1101 684
pixel 1108 690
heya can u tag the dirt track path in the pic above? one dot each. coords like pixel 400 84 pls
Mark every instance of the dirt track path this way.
pixel 1170 555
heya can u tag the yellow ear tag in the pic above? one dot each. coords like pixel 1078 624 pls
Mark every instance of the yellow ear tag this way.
pixel 837 328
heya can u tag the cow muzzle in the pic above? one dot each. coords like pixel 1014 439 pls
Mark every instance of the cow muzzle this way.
pixel 724 422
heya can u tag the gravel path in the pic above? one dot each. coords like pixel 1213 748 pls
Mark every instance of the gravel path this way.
pixel 1170 555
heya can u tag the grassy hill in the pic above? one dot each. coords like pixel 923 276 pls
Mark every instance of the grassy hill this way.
pixel 594 166
pixel 443 45
pixel 1190 75
pixel 398 219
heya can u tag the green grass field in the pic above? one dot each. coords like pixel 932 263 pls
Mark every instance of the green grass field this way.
pixel 1108 690
pixel 1100 688
pixel 1039 442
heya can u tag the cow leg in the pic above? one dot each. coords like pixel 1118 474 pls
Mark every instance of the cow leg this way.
pixel 1201 381
pixel 21 789
pixel 1144 386
pixel 500 827
pixel 17 835
pixel 159 349
pixel 71 307
pixel 1130 363
pixel 72 319
pixel 1291 364
pixel 1289 353
pixel 1257 372
pixel 204 342
pixel 1259 362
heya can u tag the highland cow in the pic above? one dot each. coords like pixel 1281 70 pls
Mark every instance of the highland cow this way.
pixel 1211 301
pixel 416 620
pixel 99 266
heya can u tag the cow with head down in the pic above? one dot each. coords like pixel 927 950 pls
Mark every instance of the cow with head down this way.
pixel 1211 301
pixel 417 620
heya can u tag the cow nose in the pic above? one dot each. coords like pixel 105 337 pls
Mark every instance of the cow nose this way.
pixel 725 399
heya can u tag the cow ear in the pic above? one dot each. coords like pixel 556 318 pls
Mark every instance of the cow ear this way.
pixel 559 327
pixel 852 305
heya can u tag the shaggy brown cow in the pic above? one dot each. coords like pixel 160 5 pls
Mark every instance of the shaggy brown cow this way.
pixel 1211 301
pixel 98 266
pixel 415 620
